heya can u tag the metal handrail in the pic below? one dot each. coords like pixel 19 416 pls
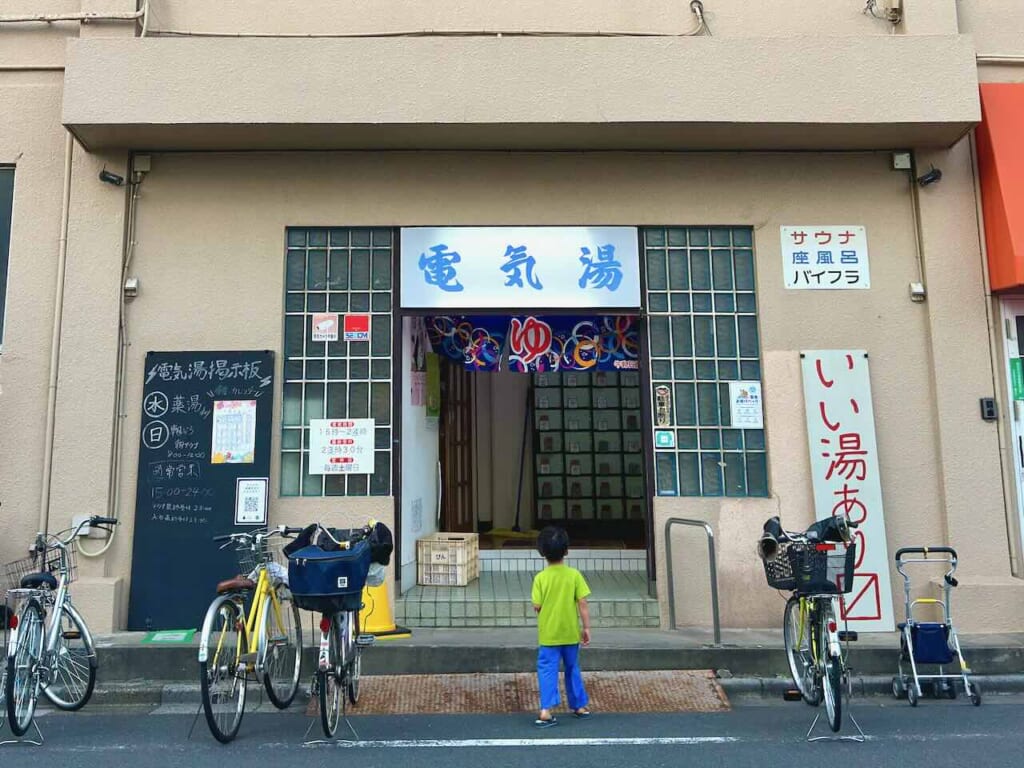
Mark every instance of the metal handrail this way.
pixel 712 567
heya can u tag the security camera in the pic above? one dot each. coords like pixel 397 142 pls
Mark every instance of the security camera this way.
pixel 930 177
pixel 111 178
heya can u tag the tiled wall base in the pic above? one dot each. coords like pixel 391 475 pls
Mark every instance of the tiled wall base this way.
pixel 502 599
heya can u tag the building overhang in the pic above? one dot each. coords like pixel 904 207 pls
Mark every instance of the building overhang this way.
pixel 1001 169
pixel 522 93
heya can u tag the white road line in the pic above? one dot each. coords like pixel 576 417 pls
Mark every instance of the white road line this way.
pixel 479 743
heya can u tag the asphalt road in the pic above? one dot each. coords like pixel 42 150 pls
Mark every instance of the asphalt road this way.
pixel 758 734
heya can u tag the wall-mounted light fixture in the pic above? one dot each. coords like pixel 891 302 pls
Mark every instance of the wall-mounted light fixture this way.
pixel 902 161
pixel 929 177
pixel 107 177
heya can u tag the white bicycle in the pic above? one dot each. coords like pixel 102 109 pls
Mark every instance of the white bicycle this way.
pixel 49 647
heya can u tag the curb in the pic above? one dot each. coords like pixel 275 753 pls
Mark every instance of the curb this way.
pixel 140 693
pixel 874 685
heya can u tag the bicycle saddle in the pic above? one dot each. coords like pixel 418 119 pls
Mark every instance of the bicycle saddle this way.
pixel 38 581
pixel 237 584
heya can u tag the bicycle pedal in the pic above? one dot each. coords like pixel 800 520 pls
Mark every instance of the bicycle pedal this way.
pixel 848 635
pixel 365 641
pixel 792 695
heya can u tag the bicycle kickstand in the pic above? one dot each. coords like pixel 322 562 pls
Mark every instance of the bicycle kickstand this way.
pixel 860 738
pixel 21 740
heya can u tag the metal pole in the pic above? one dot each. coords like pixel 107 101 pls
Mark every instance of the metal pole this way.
pixel 712 567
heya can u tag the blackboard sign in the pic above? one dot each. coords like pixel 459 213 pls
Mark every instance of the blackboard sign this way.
pixel 206 423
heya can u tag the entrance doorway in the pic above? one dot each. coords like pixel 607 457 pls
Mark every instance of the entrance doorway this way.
pixel 518 450
pixel 1013 322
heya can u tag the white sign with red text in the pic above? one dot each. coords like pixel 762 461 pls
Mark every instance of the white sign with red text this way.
pixel 825 257
pixel 341 447
pixel 844 468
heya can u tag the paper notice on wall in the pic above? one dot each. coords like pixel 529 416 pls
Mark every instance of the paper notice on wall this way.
pixel 745 405
pixel 341 447
pixel 251 500
pixel 418 384
pixel 234 432
pixel 325 327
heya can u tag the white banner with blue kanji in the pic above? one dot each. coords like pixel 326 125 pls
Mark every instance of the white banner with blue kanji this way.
pixel 831 257
pixel 517 268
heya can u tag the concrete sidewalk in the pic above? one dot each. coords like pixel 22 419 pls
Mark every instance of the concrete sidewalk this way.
pixel 747 661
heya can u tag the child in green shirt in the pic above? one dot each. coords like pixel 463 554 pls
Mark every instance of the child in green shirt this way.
pixel 559 592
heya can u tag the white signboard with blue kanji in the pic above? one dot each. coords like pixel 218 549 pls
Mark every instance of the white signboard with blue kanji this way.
pixel 520 267
pixel 825 257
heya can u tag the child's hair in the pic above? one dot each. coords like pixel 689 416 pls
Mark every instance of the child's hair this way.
pixel 553 543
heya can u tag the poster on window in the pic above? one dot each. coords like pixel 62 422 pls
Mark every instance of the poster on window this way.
pixel 234 432
pixel 341 447
pixel 745 405
pixel 845 474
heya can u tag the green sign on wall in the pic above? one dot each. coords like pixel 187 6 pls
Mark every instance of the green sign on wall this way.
pixel 1017 377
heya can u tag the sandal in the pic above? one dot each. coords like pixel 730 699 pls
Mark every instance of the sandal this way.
pixel 582 713
pixel 545 722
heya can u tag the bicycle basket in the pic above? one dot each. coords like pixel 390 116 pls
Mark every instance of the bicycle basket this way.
pixel 250 556
pixel 48 562
pixel 828 572
pixel 328 581
pixel 778 570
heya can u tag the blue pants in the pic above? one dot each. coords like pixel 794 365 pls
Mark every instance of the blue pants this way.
pixel 548 657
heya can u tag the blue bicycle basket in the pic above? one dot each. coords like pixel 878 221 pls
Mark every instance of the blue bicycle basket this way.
pixel 328 581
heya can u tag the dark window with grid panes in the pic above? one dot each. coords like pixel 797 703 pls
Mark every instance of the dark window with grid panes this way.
pixel 702 333
pixel 337 270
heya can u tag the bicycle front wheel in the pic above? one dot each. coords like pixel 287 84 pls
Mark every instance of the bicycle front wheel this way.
pixel 22 686
pixel 832 674
pixel 329 681
pixel 796 632
pixel 281 650
pixel 74 671
pixel 222 676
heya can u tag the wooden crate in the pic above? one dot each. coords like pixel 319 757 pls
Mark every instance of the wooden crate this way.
pixel 447 559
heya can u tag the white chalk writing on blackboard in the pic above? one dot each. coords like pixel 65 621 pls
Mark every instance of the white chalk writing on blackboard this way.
pixel 155 434
pixel 208 370
pixel 194 404
pixel 175 470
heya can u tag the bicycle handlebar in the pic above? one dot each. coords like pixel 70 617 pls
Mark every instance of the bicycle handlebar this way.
pixel 266 533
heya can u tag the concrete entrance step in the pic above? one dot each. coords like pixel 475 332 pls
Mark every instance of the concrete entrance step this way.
pixel 502 599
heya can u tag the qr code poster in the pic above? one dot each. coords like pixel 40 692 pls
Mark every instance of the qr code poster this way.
pixel 251 500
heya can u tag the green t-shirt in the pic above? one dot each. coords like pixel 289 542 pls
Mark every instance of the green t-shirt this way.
pixel 556 590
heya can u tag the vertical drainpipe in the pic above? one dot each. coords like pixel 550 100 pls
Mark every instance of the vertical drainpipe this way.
pixel 58 315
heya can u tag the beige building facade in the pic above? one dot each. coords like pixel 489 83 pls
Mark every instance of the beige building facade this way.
pixel 245 132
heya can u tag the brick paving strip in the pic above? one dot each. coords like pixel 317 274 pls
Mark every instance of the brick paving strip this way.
pixel 657 691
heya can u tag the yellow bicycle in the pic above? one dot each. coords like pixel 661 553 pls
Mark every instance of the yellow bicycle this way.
pixel 817 567
pixel 251 632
